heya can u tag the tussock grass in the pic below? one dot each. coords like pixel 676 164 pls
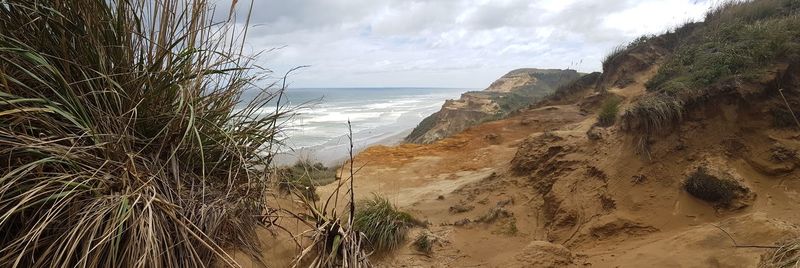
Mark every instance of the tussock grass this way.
pixel 608 111
pixel 123 138
pixel 710 188
pixel 653 114
pixel 612 55
pixel 382 223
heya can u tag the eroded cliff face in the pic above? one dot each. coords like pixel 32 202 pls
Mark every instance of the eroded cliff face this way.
pixel 515 90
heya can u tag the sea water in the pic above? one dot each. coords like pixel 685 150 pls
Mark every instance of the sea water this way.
pixel 319 129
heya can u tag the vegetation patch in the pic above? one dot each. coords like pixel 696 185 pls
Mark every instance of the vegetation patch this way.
pixel 612 57
pixel 738 40
pixel 713 188
pixel 424 243
pixel 587 81
pixel 304 177
pixel 608 111
pixel 382 223
pixel 653 114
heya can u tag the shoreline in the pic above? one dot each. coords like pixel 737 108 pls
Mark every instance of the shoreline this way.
pixel 336 151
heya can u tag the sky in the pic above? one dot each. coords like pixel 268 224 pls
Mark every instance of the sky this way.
pixel 447 43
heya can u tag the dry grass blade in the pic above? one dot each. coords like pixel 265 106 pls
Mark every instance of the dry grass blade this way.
pixel 785 256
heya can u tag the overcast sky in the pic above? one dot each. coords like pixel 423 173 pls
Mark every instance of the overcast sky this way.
pixel 448 43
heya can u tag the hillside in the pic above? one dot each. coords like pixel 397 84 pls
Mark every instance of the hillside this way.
pixel 698 169
pixel 509 93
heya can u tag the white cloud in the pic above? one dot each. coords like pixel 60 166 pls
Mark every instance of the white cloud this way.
pixel 461 43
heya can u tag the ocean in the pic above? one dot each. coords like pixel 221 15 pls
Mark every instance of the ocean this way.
pixel 378 116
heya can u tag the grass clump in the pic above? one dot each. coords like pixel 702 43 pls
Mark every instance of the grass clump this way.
pixel 124 139
pixel 382 223
pixel 653 114
pixel 304 177
pixel 608 111
pixel 424 243
pixel 711 188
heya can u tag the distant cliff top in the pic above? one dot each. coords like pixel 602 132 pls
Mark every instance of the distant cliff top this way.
pixel 526 77
pixel 519 88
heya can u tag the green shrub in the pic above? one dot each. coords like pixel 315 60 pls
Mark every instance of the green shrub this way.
pixel 304 177
pixel 383 225
pixel 609 110
pixel 124 139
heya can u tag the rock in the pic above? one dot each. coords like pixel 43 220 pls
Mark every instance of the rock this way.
pixel 545 254
pixel 771 168
pixel 505 202
pixel 638 179
pixel 462 222
pixel 595 133
pixel 460 208
pixel 611 226
pixel 528 121
pixel 781 153
pixel 493 138
pixel 495 214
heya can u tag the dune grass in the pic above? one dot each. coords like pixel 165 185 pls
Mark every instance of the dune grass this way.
pixel 124 141
pixel 303 177
pixel 608 111
pixel 738 40
pixel 653 114
pixel 611 58
pixel 382 223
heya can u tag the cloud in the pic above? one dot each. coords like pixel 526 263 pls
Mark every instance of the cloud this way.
pixel 459 43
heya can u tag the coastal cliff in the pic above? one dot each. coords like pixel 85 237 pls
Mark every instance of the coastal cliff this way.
pixel 517 89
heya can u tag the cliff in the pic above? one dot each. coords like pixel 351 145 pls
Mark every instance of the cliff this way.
pixel 517 89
